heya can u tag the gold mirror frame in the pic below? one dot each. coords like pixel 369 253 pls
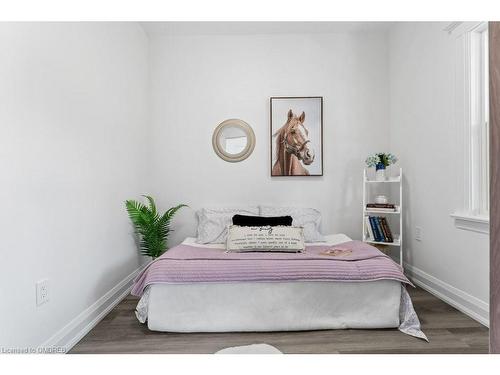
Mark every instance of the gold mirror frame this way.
pixel 247 151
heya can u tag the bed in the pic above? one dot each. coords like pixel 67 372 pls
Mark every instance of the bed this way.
pixel 180 292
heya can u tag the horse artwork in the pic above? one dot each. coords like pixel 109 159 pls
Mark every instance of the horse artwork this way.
pixel 296 146
pixel 293 146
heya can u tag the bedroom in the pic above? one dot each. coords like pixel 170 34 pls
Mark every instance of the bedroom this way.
pixel 98 113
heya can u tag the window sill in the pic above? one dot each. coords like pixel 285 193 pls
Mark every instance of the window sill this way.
pixel 475 223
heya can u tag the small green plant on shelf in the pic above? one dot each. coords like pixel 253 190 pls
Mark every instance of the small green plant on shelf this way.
pixel 381 160
pixel 151 227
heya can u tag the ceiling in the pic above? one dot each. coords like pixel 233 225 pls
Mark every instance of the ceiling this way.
pixel 243 28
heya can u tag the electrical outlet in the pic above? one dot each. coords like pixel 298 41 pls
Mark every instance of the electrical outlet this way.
pixel 418 233
pixel 42 292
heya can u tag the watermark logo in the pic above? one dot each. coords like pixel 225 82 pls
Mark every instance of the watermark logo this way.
pixel 33 350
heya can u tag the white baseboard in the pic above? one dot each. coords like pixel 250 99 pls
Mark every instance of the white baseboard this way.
pixel 74 331
pixel 466 303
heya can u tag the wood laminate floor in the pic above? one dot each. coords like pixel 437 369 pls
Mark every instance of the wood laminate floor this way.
pixel 448 330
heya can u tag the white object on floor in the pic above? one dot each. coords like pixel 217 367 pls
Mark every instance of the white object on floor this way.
pixel 250 349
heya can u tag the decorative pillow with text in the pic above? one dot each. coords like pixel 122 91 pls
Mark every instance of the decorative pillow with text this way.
pixel 265 239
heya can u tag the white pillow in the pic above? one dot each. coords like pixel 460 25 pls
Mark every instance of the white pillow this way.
pixel 307 218
pixel 213 222
pixel 272 239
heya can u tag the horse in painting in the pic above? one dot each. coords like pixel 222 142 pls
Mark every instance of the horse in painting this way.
pixel 293 147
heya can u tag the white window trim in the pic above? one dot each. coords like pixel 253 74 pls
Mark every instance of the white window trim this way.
pixel 467 217
pixel 474 223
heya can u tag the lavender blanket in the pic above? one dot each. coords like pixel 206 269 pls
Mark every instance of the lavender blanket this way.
pixel 357 261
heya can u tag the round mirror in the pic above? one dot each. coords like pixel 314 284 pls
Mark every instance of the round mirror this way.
pixel 233 140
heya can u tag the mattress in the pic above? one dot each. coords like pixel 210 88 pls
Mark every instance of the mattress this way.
pixel 273 306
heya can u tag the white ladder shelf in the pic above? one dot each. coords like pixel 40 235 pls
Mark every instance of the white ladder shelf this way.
pixel 385 187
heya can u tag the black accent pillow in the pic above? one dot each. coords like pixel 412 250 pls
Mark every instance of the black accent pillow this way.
pixel 261 221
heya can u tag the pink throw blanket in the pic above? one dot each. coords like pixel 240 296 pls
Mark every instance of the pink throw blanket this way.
pixel 356 262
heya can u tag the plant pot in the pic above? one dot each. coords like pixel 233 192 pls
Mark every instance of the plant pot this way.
pixel 380 172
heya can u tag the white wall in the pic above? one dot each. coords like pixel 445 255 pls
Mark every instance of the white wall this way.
pixel 199 81
pixel 73 147
pixel 423 134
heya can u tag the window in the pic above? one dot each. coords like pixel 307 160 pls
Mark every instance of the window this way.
pixel 479 140
pixel 472 118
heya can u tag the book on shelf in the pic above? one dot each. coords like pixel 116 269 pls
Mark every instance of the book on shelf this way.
pixel 378 229
pixel 369 230
pixel 381 207
pixel 375 228
pixel 382 229
pixel 382 210
pixel 387 229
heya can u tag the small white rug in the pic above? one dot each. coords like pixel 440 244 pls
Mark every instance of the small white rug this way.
pixel 250 349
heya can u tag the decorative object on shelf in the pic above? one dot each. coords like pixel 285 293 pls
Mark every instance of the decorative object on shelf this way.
pixel 381 199
pixel 151 227
pixel 233 140
pixel 380 161
pixel 296 136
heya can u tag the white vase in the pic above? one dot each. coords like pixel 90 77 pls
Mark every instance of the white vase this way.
pixel 380 174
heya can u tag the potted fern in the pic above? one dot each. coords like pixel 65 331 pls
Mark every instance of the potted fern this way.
pixel 151 227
